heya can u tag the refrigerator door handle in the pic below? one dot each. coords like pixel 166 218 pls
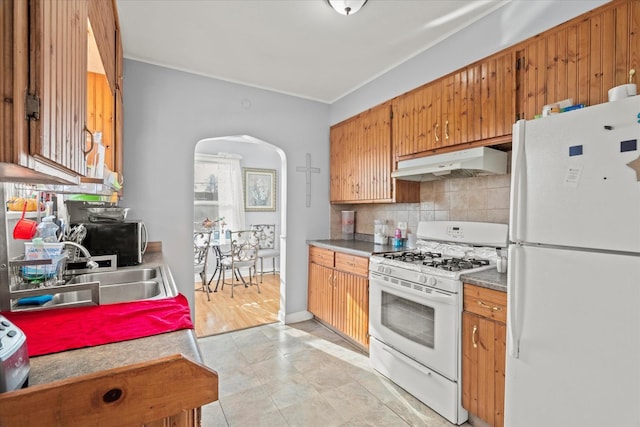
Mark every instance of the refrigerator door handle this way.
pixel 513 294
pixel 518 182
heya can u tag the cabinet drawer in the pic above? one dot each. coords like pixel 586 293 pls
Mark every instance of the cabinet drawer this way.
pixel 321 256
pixel 485 302
pixel 352 264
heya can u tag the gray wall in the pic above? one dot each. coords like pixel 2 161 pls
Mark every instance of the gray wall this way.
pixel 167 112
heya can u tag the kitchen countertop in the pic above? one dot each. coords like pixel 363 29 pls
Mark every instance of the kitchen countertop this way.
pixel 488 279
pixel 353 247
pixel 71 363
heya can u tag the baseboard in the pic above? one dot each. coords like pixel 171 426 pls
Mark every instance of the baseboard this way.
pixel 300 316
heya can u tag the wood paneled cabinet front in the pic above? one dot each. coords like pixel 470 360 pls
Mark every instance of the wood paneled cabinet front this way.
pixel 361 161
pixel 483 353
pixel 581 59
pixel 472 106
pixel 338 292
pixel 44 57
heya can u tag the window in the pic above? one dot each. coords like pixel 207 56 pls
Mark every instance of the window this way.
pixel 217 191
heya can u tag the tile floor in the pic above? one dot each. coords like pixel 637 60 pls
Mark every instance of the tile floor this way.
pixel 302 374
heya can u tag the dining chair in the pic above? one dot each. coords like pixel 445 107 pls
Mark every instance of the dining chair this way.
pixel 244 254
pixel 201 246
pixel 267 245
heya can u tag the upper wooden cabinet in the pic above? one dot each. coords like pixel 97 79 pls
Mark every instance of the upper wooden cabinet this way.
pixel 581 59
pixel 472 105
pixel 45 79
pixel 104 88
pixel 361 161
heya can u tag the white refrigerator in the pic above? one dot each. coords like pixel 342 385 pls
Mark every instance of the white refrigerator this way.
pixel 573 326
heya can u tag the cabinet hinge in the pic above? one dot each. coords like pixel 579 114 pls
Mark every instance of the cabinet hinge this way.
pixel 32 107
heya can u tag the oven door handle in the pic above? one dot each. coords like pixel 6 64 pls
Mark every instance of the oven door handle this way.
pixel 438 297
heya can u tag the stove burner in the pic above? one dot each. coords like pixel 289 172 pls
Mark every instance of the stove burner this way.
pixel 456 264
pixel 411 256
pixel 436 260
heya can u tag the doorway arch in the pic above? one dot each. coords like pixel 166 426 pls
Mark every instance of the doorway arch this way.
pixel 208 145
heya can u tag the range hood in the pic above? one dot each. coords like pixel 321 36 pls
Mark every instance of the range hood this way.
pixel 458 164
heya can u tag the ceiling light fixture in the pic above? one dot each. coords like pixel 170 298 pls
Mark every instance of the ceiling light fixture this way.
pixel 346 7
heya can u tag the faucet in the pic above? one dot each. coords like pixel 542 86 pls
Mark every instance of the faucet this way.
pixel 91 264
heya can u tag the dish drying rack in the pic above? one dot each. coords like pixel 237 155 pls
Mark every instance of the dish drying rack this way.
pixel 37 277
pixel 37 273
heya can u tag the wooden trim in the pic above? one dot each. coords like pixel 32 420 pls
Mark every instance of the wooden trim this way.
pixel 153 247
pixel 130 395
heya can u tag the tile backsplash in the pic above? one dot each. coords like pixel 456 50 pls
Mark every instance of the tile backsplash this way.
pixel 483 198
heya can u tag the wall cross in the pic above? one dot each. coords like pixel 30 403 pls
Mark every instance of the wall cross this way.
pixel 308 170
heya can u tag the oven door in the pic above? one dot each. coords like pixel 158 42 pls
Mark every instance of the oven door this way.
pixel 418 321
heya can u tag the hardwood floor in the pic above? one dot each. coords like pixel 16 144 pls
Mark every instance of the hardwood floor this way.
pixel 247 308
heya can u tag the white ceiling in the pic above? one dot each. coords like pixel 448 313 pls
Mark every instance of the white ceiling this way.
pixel 298 47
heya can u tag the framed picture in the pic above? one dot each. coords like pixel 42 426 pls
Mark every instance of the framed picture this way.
pixel 259 189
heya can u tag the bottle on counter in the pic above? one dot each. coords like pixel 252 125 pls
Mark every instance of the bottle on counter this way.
pixel 397 239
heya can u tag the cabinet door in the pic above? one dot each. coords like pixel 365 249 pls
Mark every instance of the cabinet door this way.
pixel 351 306
pixel 581 59
pixel 374 155
pixel 409 124
pixel 361 160
pixel 320 292
pixel 483 367
pixel 341 162
pixel 58 66
pixel 497 96
pixel 118 165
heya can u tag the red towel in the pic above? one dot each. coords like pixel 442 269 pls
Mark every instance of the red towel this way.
pixel 52 331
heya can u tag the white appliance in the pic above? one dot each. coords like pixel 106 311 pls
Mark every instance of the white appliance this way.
pixel 415 308
pixel 573 340
pixel 457 164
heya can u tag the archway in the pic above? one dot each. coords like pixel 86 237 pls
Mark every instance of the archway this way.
pixel 256 154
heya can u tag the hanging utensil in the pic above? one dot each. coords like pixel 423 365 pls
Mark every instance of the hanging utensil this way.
pixel 25 229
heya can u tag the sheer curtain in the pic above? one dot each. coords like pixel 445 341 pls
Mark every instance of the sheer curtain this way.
pixel 230 195
pixel 223 178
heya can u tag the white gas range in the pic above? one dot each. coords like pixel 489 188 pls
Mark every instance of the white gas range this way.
pixel 415 308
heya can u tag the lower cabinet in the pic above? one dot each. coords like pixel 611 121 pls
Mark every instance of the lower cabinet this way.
pixel 338 292
pixel 483 353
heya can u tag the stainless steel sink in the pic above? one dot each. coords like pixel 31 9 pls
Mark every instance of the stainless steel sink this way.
pixel 118 276
pixel 118 286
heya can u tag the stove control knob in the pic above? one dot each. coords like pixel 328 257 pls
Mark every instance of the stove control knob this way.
pixel 432 281
pixel 381 269
pixel 387 270
pixel 422 278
